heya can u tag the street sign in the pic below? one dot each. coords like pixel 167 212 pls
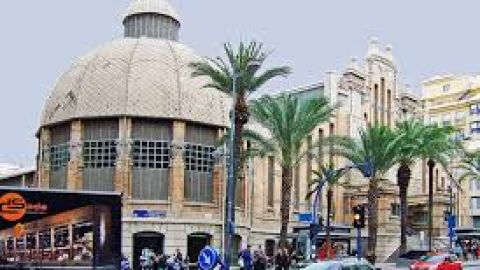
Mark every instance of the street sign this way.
pixel 149 213
pixel 452 220
pixel 305 217
pixel 208 258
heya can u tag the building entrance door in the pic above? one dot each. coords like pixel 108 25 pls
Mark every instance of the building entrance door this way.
pixel 195 243
pixel 148 243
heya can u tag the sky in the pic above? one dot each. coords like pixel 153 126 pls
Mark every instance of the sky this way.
pixel 40 40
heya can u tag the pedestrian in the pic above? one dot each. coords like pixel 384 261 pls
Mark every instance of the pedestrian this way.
pixel 286 260
pixel 125 264
pixel 162 262
pixel 457 250
pixel 260 261
pixel 246 256
pixel 179 255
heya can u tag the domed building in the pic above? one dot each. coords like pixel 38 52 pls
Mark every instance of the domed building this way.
pixel 128 117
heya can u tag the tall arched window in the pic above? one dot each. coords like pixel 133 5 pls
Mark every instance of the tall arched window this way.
pixel 59 152
pixel 151 152
pixel 100 141
pixel 199 161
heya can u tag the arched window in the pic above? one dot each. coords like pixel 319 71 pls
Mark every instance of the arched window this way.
pixel 151 159
pixel 59 153
pixel 100 141
pixel 199 161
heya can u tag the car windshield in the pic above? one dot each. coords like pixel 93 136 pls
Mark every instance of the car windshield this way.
pixel 434 259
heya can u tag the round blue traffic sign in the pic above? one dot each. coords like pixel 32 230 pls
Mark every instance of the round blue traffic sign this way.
pixel 208 258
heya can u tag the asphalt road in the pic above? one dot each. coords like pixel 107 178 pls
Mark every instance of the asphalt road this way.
pixel 468 265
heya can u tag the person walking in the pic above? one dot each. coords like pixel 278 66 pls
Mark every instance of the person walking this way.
pixel 260 260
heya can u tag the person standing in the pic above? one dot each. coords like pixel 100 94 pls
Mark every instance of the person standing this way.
pixel 246 256
pixel 125 264
pixel 260 261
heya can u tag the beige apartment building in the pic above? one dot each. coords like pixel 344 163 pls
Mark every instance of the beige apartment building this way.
pixel 455 100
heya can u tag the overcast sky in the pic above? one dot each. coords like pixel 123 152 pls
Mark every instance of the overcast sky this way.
pixel 40 39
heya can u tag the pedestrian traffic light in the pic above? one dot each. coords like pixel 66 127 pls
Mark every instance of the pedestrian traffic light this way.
pixel 359 216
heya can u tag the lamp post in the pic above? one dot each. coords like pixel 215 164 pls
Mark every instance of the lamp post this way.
pixel 451 217
pixel 431 165
pixel 229 231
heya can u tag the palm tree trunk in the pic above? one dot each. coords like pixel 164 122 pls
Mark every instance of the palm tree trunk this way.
pixel 287 175
pixel 372 220
pixel 329 211
pixel 403 180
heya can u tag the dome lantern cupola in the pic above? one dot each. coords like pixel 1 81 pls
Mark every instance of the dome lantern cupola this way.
pixel 152 19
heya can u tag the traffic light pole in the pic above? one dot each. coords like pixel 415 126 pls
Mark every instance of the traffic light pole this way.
pixel 359 244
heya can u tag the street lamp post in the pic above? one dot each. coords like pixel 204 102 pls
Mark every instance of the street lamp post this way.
pixel 450 217
pixel 229 232
pixel 431 165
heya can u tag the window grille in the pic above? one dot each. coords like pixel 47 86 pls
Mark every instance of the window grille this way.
pixel 151 154
pixel 99 154
pixel 59 156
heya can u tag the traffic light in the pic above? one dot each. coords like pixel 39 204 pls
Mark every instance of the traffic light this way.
pixel 314 230
pixel 359 216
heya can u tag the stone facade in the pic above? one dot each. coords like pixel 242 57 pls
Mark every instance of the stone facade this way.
pixel 367 92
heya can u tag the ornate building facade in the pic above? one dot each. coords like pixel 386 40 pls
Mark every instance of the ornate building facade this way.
pixel 128 117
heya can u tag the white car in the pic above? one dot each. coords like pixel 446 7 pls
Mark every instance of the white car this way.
pixel 346 264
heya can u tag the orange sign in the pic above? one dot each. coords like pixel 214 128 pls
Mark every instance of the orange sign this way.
pixel 12 206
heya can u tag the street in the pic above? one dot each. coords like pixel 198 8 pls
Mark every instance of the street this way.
pixel 467 265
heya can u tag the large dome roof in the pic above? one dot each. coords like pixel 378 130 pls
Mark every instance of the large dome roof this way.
pixel 139 78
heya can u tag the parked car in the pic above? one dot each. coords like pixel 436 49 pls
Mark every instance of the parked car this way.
pixel 406 259
pixel 438 262
pixel 345 264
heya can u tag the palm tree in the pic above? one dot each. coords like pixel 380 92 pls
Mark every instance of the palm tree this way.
pixel 289 123
pixel 470 167
pixel 374 153
pixel 412 134
pixel 437 146
pixel 326 176
pixel 238 76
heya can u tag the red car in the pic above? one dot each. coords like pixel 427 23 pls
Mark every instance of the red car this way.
pixel 438 262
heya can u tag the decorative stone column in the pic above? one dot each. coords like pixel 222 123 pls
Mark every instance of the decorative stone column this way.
pixel 75 165
pixel 44 160
pixel 177 169
pixel 123 172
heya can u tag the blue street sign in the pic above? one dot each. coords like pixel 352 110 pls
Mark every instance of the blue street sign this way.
pixel 305 217
pixel 208 258
pixel 149 213
pixel 452 220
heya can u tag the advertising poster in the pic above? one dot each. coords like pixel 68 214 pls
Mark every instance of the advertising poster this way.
pixel 43 228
